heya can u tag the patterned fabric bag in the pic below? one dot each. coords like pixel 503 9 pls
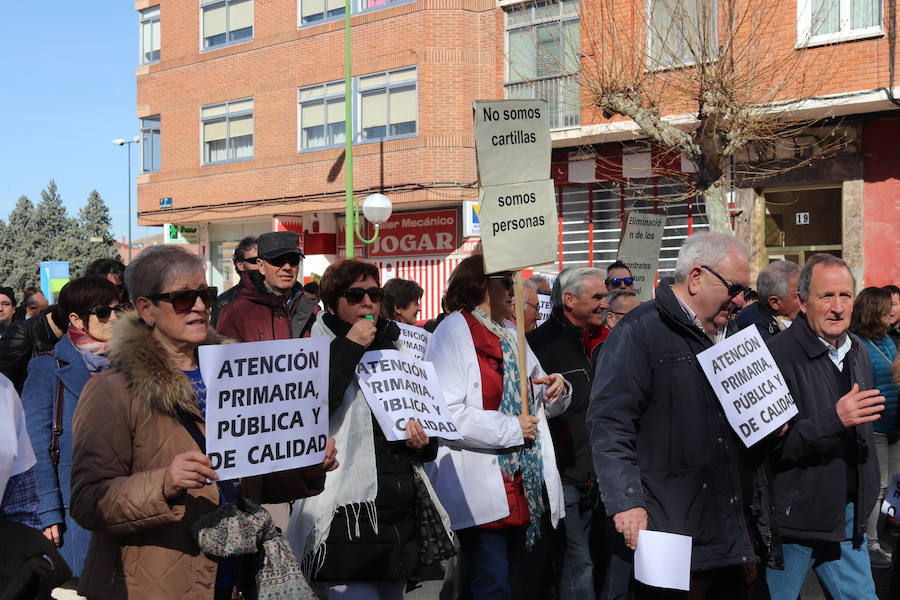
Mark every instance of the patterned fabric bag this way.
pixel 434 543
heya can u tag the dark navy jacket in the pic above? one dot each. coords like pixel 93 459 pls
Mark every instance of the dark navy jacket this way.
pixel 764 320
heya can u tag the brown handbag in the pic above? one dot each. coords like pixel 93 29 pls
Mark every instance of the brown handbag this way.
pixel 56 430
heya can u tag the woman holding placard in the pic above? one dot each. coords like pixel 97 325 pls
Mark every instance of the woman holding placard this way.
pixel 378 518
pixel 139 476
pixel 499 481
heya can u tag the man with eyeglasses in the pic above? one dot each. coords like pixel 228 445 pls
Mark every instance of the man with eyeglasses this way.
pixel 619 277
pixel 7 307
pixel 532 308
pixel 245 261
pixel 561 344
pixel 665 457
pixel 270 304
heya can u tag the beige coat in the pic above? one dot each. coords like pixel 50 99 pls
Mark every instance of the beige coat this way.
pixel 126 434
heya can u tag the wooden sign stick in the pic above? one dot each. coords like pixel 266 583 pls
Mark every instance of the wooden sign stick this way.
pixel 519 291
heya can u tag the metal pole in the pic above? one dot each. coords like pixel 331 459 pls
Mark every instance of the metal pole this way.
pixel 349 215
pixel 129 200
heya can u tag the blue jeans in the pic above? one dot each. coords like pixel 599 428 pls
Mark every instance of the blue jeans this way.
pixel 576 582
pixel 487 562
pixel 843 571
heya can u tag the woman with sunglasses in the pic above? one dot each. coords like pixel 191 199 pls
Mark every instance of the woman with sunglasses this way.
pixel 360 538
pixel 499 484
pixel 139 478
pixel 50 396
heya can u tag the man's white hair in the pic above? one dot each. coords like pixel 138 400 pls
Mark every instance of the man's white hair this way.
pixel 571 281
pixel 528 283
pixel 707 248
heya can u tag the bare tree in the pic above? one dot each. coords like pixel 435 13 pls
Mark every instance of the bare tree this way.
pixel 711 81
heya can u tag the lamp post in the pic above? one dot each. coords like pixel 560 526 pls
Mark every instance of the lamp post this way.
pixel 121 142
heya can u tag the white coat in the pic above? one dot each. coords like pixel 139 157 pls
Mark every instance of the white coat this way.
pixel 466 473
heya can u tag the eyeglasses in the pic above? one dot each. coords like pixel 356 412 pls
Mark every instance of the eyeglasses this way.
pixel 504 278
pixel 103 313
pixel 184 300
pixel 251 259
pixel 355 295
pixel 734 289
pixel 536 307
pixel 280 261
pixel 615 282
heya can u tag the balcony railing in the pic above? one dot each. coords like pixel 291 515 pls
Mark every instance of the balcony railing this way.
pixel 562 93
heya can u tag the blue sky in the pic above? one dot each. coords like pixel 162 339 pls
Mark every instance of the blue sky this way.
pixel 68 80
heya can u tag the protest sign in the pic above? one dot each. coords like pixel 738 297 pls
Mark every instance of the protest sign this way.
pixel 749 385
pixel 415 339
pixel 545 308
pixel 891 502
pixel 518 225
pixel 640 250
pixel 512 141
pixel 399 387
pixel 266 405
pixel 663 560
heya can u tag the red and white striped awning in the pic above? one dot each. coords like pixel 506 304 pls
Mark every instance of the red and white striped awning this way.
pixel 431 274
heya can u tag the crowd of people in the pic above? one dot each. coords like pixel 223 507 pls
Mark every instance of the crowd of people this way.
pixel 102 446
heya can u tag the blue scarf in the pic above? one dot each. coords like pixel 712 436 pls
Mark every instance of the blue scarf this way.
pixel 527 460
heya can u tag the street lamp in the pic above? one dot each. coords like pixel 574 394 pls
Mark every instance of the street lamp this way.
pixel 377 209
pixel 121 142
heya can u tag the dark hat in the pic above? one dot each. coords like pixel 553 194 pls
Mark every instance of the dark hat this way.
pixel 8 291
pixel 278 243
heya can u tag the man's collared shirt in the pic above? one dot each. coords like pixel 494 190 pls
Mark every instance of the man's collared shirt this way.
pixel 720 332
pixel 837 354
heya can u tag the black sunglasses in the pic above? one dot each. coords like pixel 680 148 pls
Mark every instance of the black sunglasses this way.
pixel 733 288
pixel 184 300
pixel 617 281
pixel 250 259
pixel 103 313
pixel 355 295
pixel 505 279
pixel 280 261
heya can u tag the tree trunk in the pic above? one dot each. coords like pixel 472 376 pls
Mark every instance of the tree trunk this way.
pixel 716 200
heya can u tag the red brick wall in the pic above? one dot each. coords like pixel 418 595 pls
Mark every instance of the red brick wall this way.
pixel 881 210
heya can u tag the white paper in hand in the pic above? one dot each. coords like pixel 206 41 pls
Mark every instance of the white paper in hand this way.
pixel 663 560
pixel 891 502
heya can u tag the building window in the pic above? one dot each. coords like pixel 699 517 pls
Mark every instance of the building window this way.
pixel 682 32
pixel 315 11
pixel 543 46
pixel 322 112
pixel 150 144
pixel 150 35
pixel 829 21
pixel 227 131
pixel 387 105
pixel 226 22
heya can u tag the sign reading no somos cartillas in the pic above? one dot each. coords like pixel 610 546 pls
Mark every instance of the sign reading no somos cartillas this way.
pixel 266 405
pixel 749 385
pixel 399 387
pixel 512 141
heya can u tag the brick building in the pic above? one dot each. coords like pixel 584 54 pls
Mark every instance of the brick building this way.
pixel 241 109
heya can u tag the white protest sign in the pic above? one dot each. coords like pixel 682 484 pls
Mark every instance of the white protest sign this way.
pixel 512 141
pixel 546 307
pixel 266 405
pixel 640 250
pixel 518 225
pixel 399 387
pixel 891 504
pixel 663 560
pixel 749 385
pixel 415 339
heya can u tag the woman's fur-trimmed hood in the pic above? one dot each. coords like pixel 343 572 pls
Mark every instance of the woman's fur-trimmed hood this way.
pixel 151 376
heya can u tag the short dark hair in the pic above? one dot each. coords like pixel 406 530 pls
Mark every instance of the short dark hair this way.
pixel 312 288
pixel 467 285
pixel 29 292
pixel 893 289
pixel 806 273
pixel 105 266
pixel 399 293
pixel 618 265
pixel 340 275
pixel 84 293
pixel 870 305
pixel 240 251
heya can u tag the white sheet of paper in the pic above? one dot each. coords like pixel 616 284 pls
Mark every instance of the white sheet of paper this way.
pixel 663 560
pixel 415 339
pixel 891 502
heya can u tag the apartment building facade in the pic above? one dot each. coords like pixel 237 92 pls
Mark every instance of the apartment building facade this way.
pixel 241 107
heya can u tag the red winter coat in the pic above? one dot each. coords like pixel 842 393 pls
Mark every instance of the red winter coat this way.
pixel 256 314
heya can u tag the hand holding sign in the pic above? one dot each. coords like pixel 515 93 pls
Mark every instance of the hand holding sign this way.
pixel 856 407
pixel 416 438
pixel 529 426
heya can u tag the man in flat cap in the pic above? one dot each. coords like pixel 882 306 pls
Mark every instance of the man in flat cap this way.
pixel 270 304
